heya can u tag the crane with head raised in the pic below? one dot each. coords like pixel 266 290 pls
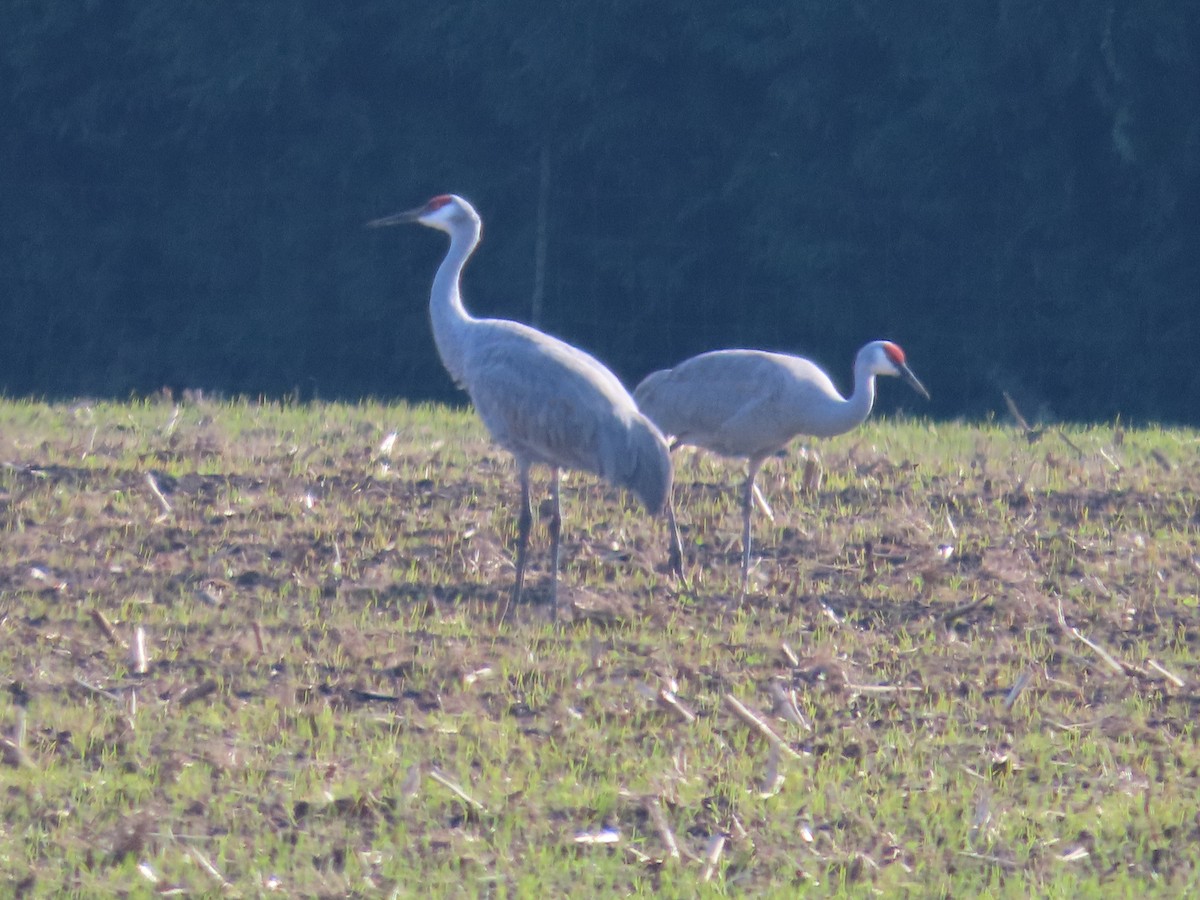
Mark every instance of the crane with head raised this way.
pixel 543 400
pixel 749 403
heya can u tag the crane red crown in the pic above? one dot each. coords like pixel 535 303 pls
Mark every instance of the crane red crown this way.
pixel 895 354
pixel 437 202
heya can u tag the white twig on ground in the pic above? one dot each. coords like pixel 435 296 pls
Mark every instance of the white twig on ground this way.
pixel 756 722
pixel 206 864
pixel 106 628
pixel 789 654
pixel 991 860
pixel 388 443
pixel 158 495
pixel 659 818
pixel 772 779
pixel 1112 662
pixel 169 428
pixel 668 700
pixel 94 689
pixel 447 782
pixel 982 816
pixel 882 688
pixel 138 654
pixel 1019 685
pixel 785 705
pixel 762 503
pixel 1170 676
pixel 1108 459
pixel 712 855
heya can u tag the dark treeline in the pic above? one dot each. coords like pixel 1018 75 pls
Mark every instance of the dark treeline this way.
pixel 1010 189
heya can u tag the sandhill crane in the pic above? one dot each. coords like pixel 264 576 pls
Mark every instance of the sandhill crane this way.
pixel 542 399
pixel 750 403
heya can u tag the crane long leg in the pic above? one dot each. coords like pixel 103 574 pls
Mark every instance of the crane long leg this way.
pixel 675 554
pixel 555 530
pixel 747 508
pixel 524 524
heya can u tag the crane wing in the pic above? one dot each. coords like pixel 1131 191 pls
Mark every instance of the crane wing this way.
pixel 734 402
pixel 551 403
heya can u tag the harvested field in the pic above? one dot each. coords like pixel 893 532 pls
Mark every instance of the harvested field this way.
pixel 253 649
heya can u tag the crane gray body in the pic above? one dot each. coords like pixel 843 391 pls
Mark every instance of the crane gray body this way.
pixel 550 403
pixel 746 403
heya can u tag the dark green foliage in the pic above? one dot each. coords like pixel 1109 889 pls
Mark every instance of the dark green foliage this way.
pixel 1011 190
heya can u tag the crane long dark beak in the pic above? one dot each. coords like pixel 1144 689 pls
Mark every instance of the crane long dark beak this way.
pixel 907 374
pixel 400 218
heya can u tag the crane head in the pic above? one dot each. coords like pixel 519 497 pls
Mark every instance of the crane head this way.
pixel 445 212
pixel 886 358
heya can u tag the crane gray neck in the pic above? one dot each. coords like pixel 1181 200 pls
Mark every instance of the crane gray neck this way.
pixel 863 398
pixel 848 414
pixel 450 319
pixel 858 407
